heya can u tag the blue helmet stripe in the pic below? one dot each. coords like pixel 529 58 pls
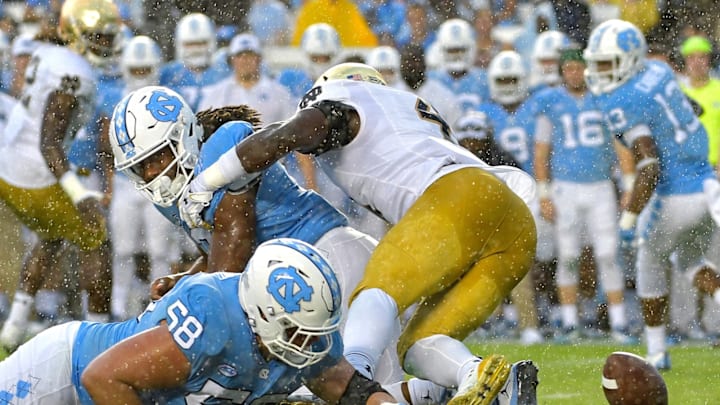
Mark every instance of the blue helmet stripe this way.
pixel 121 132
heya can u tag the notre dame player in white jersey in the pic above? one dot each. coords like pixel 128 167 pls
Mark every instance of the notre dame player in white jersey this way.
pixel 36 180
pixel 463 234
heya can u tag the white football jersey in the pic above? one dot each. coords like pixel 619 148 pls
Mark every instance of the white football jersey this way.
pixel 402 147
pixel 52 68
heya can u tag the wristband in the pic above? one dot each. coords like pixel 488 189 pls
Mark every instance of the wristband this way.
pixel 73 187
pixel 227 170
pixel 628 182
pixel 543 188
pixel 628 220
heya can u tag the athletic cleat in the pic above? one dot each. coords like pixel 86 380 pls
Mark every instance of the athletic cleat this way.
pixel 661 361
pixel 483 383
pixel 622 337
pixel 521 386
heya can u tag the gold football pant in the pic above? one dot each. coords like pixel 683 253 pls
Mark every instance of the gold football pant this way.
pixel 460 250
pixel 51 214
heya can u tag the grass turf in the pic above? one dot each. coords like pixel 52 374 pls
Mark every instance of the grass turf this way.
pixel 571 374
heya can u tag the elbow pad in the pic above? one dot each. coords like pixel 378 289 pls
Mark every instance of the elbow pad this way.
pixel 338 118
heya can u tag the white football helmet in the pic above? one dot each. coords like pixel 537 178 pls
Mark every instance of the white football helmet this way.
pixel 351 71
pixel 292 300
pixel 320 40
pixel 546 56
pixel 195 40
pixel 386 60
pixel 507 78
pixel 622 46
pixel 90 28
pixel 456 40
pixel 141 53
pixel 146 122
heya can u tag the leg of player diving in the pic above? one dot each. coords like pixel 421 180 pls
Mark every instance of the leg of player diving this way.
pixel 464 248
pixel 50 213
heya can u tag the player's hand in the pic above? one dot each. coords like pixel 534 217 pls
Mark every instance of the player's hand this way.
pixel 547 209
pixel 160 286
pixel 628 222
pixel 191 205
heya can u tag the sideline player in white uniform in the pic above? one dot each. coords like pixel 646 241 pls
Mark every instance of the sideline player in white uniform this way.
pixel 248 338
pixel 676 193
pixel 248 85
pixel 140 235
pixel 574 150
pixel 35 177
pixel 390 151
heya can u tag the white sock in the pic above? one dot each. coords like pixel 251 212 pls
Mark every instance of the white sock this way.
pixel 440 359
pixel 20 309
pixel 716 296
pixel 569 315
pixel 616 313
pixel 371 320
pixel 96 317
pixel 655 336
pixel 424 392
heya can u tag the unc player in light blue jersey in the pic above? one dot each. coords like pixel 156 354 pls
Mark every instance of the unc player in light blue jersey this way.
pixel 676 193
pixel 545 58
pixel 193 69
pixel 575 151
pixel 156 141
pixel 456 42
pixel 249 338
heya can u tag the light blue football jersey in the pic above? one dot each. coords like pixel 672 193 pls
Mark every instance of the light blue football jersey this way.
pixel 653 98
pixel 582 149
pixel 283 209
pixel 204 315
pixel 471 90
pixel 514 132
pixel 188 83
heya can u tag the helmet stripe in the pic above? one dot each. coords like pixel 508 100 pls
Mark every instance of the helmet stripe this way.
pixel 121 132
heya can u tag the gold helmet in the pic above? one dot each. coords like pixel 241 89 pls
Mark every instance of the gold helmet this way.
pixel 352 71
pixel 91 28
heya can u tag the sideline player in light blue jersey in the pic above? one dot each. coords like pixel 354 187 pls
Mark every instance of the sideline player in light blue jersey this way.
pixel 676 189
pixel 456 41
pixel 193 69
pixel 249 338
pixel 574 150
pixel 156 141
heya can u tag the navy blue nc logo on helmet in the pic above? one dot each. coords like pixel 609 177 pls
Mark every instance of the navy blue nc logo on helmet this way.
pixel 288 288
pixel 628 40
pixel 164 107
pixel 121 132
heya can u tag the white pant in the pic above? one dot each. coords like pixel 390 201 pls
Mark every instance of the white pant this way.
pixel 546 244
pixel 677 223
pixel 40 371
pixel 587 213
pixel 348 252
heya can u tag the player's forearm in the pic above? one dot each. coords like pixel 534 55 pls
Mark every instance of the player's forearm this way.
pixel 110 391
pixel 644 187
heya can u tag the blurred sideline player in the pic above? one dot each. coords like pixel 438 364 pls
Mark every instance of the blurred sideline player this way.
pixel 437 194
pixel 386 60
pixel 456 44
pixel 247 84
pixel 573 150
pixel 160 154
pixel 36 180
pixel 193 68
pixel 676 193
pixel 144 243
pixel 244 338
pixel 544 67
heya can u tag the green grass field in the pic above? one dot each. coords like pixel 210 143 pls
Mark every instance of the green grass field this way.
pixel 570 375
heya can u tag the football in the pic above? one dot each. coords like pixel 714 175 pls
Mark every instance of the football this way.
pixel 630 380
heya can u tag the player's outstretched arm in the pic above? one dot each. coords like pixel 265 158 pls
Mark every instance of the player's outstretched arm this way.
pixel 342 384
pixel 233 237
pixel 149 360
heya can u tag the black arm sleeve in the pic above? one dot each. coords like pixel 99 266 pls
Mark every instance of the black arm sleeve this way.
pixel 359 390
pixel 338 117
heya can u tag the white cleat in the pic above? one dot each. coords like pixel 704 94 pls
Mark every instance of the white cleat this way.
pixel 661 361
pixel 483 383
